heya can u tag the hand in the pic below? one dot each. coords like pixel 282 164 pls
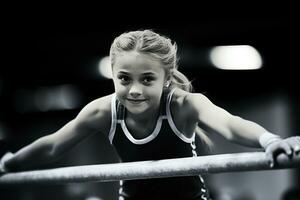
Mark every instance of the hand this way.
pixel 4 158
pixel 288 146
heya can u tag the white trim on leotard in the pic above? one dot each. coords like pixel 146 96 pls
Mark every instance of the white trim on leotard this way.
pixel 147 139
pixel 113 119
pixel 171 122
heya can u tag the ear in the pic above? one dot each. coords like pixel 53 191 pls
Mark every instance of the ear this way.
pixel 168 80
pixel 169 76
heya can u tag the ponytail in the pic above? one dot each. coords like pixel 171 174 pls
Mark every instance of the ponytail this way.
pixel 208 144
pixel 179 80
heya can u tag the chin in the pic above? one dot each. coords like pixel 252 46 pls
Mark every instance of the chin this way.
pixel 137 110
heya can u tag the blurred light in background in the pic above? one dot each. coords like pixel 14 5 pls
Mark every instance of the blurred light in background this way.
pixel 236 57
pixel 104 67
pixel 93 198
pixel 63 97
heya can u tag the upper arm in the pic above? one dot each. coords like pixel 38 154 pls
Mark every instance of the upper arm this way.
pixel 94 117
pixel 232 127
pixel 210 116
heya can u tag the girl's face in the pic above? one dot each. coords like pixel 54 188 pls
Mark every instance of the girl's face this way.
pixel 138 81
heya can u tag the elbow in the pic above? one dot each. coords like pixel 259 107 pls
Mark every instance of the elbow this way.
pixel 48 151
pixel 51 153
pixel 229 135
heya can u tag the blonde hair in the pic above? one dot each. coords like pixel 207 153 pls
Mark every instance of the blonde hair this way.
pixel 161 48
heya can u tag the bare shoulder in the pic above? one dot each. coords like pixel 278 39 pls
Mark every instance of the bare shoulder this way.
pixel 182 105
pixel 196 99
pixel 190 102
pixel 188 98
pixel 98 106
pixel 96 115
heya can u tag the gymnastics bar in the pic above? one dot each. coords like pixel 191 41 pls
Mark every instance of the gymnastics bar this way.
pixel 220 163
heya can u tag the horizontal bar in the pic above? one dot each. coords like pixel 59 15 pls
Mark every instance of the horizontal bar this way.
pixel 190 166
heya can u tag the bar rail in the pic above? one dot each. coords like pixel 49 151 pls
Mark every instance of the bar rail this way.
pixel 191 166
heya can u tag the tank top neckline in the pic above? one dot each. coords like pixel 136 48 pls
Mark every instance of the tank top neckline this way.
pixel 155 131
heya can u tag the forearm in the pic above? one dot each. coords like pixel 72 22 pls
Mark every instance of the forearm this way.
pixel 37 153
pixel 246 132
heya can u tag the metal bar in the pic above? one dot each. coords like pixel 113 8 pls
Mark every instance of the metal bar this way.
pixel 220 163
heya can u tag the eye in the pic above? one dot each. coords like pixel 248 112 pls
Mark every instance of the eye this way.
pixel 148 79
pixel 124 79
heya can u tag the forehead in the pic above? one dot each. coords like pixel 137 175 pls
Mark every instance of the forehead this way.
pixel 137 62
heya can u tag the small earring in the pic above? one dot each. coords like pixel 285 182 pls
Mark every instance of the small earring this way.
pixel 167 84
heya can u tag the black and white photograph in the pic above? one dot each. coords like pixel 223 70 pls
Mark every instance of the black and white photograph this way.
pixel 203 107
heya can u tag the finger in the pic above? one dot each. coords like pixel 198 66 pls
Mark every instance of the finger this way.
pixel 270 157
pixel 297 149
pixel 295 146
pixel 275 149
pixel 286 148
pixel 294 142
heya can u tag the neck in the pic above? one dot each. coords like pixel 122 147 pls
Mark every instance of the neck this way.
pixel 145 117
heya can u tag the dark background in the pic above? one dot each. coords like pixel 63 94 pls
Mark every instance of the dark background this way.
pixel 50 52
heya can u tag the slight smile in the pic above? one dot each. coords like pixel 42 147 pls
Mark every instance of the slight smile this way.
pixel 136 101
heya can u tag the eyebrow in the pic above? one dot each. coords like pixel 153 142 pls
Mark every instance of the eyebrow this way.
pixel 123 72
pixel 148 74
pixel 144 74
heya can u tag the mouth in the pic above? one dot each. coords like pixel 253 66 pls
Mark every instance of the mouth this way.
pixel 136 101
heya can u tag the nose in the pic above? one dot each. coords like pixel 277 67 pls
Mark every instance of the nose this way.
pixel 135 90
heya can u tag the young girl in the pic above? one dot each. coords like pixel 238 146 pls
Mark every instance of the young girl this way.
pixel 151 116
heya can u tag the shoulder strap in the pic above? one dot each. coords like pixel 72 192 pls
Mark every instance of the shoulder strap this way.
pixel 114 119
pixel 171 122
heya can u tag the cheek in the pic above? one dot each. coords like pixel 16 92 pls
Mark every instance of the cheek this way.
pixel 120 90
pixel 158 87
pixel 155 92
pixel 121 95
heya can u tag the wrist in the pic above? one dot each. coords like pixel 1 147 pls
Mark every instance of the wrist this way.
pixel 3 168
pixel 267 138
pixel 4 159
